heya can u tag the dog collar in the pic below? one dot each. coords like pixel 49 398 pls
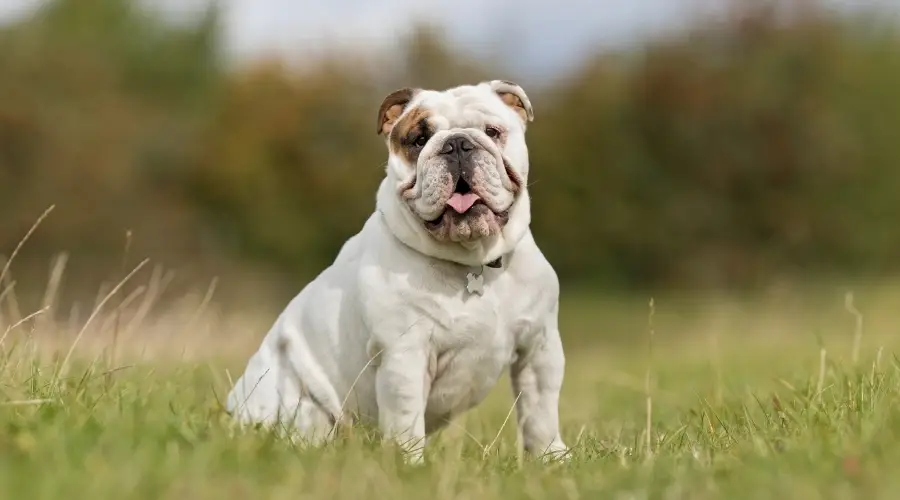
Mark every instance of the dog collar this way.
pixel 475 281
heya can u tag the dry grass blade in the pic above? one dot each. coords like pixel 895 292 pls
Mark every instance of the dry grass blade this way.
pixel 118 312
pixel 453 425
pixel 6 290
pixel 649 378
pixel 12 302
pixel 18 248
pixel 22 321
pixel 97 309
pixel 57 269
pixel 356 380
pixel 823 360
pixel 28 402
pixel 505 421
pixel 204 305
pixel 858 333
pixel 158 284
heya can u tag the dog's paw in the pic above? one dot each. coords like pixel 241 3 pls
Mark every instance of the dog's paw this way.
pixel 412 451
pixel 414 458
pixel 557 453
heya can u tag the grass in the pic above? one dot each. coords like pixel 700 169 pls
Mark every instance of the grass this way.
pixel 781 395
pixel 733 416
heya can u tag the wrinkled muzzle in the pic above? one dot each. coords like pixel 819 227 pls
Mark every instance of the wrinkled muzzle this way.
pixel 463 188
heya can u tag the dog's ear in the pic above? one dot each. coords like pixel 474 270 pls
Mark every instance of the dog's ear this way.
pixel 392 107
pixel 514 97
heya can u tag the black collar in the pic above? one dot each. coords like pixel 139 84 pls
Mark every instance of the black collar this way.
pixel 496 264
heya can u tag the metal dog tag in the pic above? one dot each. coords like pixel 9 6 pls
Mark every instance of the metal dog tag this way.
pixel 475 283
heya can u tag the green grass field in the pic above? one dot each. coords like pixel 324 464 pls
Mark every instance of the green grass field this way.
pixel 751 397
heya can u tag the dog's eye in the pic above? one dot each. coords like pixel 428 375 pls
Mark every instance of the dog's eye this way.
pixel 492 132
pixel 421 141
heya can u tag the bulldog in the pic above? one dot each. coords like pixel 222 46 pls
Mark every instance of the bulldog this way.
pixel 443 288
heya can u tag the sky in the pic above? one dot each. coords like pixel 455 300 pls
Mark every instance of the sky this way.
pixel 538 38
pixel 546 37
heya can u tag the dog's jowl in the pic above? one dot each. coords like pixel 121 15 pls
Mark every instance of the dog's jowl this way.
pixel 441 290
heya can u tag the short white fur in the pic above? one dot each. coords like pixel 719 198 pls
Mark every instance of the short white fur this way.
pixel 389 334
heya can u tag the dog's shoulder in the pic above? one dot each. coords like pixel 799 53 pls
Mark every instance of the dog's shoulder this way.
pixel 530 269
pixel 340 277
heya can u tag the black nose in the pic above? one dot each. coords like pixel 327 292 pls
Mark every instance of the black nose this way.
pixel 457 145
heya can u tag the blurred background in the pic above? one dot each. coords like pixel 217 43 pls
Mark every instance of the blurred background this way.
pixel 678 145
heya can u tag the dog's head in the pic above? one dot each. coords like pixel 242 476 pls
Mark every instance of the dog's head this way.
pixel 458 160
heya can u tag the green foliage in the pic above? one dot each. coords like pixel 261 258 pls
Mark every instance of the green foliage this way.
pixel 726 156
pixel 732 155
pixel 102 105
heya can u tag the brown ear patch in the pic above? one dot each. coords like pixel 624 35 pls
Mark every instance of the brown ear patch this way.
pixel 514 102
pixel 392 107
pixel 513 96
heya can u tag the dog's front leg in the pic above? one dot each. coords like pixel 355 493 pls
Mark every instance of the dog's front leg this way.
pixel 401 395
pixel 537 376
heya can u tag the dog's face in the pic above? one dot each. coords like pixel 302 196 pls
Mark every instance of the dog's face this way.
pixel 458 156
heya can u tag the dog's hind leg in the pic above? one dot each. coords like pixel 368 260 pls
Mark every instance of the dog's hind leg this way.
pixel 309 425
pixel 275 400
pixel 287 392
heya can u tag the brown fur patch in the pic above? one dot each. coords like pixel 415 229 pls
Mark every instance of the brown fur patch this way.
pixel 407 131
pixel 392 107
pixel 514 102
pixel 513 96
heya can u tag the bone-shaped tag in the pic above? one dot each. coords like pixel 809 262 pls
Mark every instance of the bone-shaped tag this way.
pixel 475 283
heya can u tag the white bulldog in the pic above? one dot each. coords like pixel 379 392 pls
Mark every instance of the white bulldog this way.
pixel 441 290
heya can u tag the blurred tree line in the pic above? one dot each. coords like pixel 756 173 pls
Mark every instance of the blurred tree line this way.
pixel 751 147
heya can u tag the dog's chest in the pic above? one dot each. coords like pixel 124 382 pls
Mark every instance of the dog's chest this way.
pixel 468 354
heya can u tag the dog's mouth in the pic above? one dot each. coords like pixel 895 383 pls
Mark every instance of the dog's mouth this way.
pixel 463 198
pixel 463 202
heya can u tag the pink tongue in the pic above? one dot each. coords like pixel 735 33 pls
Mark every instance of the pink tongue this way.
pixel 462 202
